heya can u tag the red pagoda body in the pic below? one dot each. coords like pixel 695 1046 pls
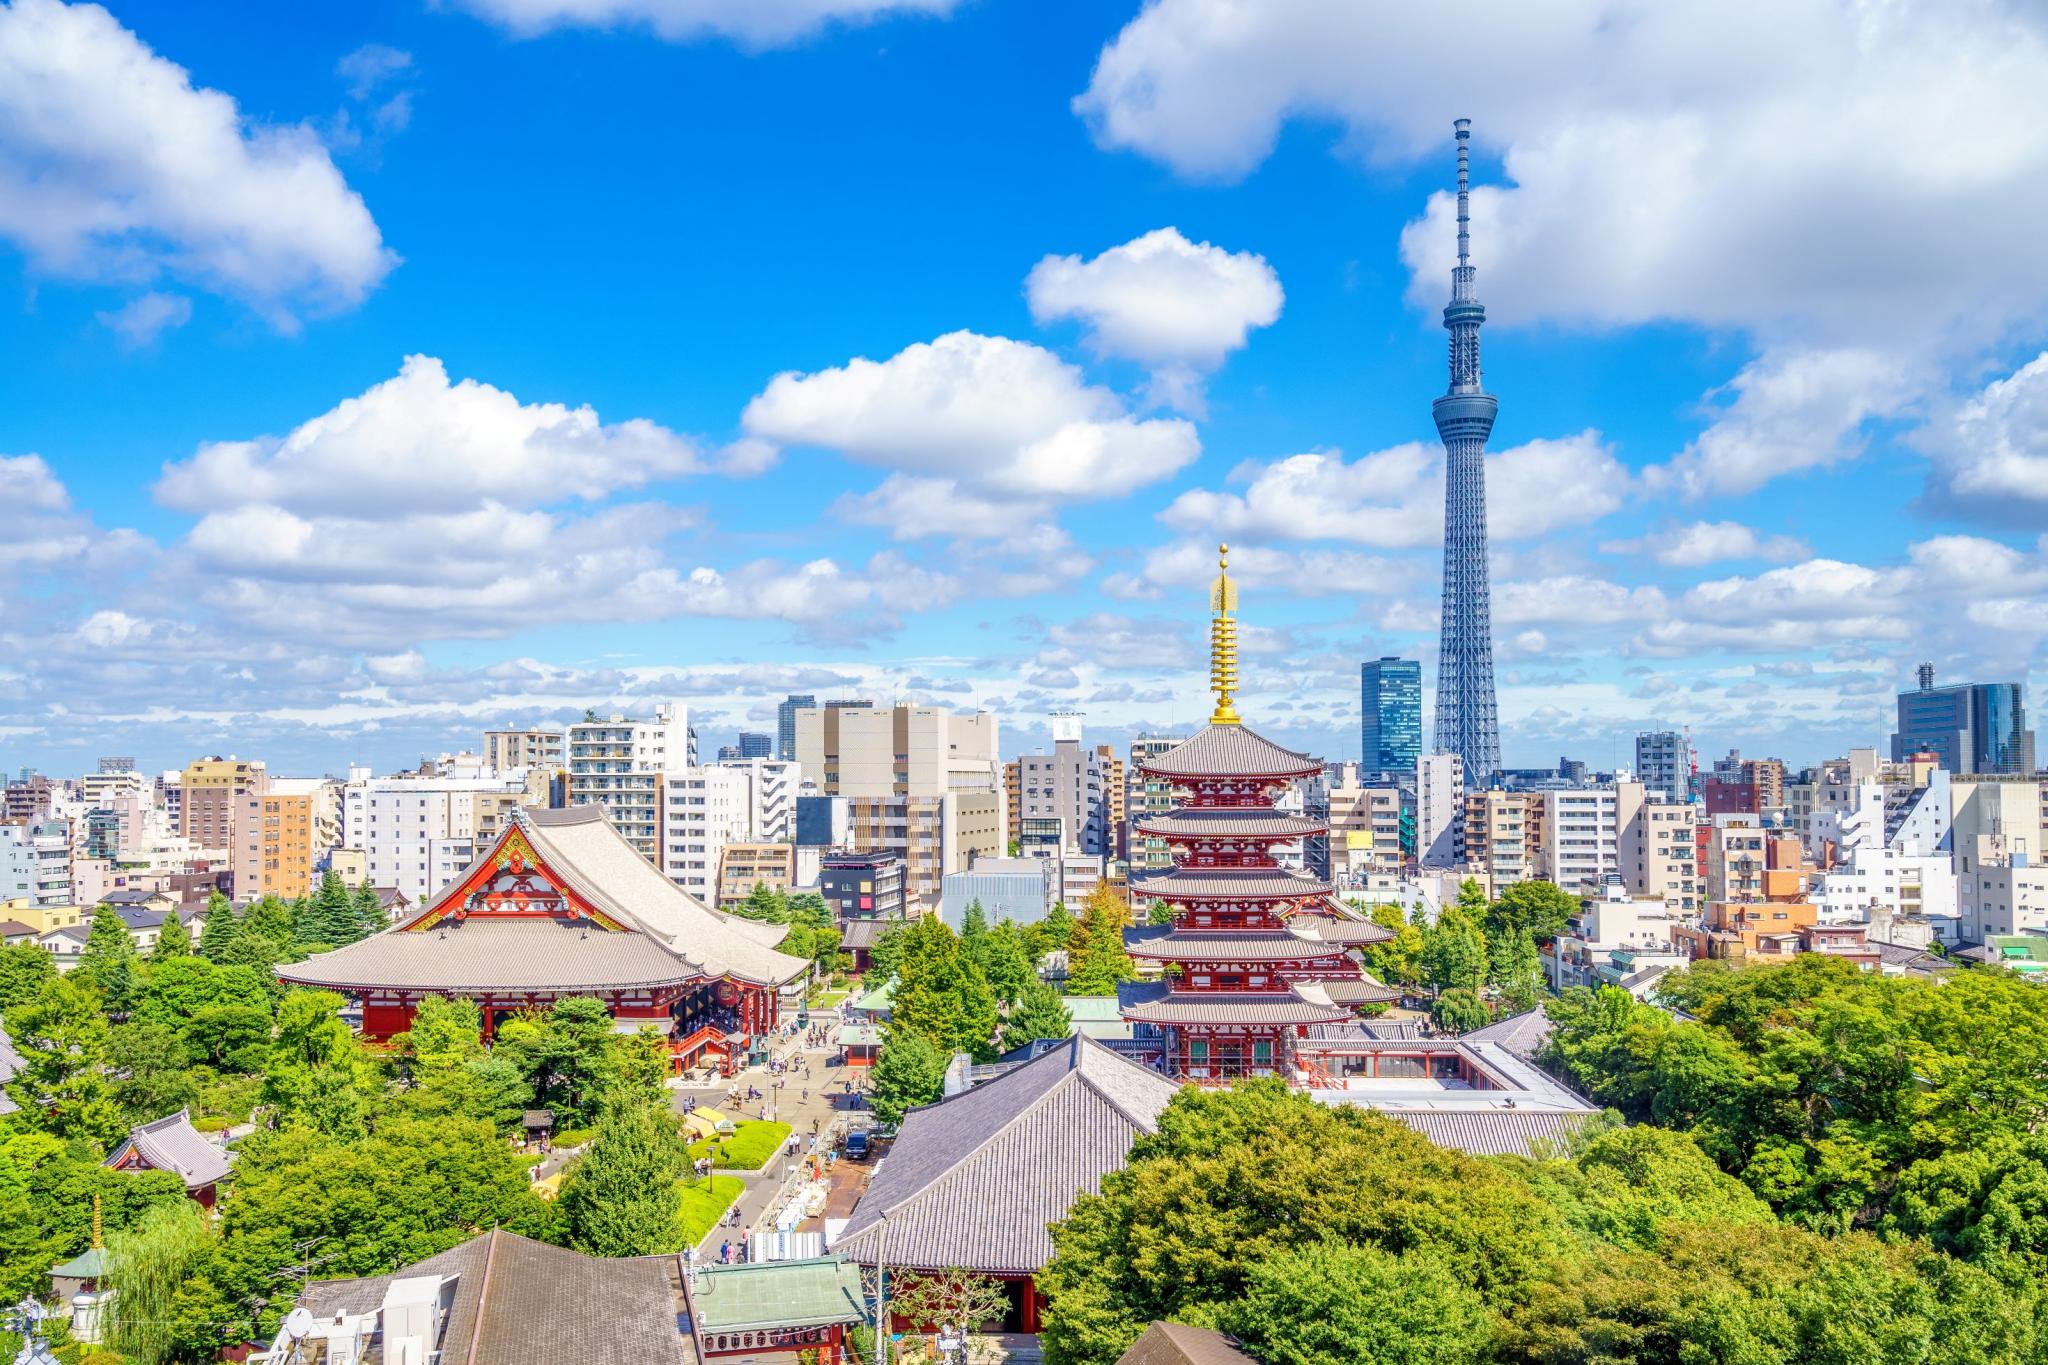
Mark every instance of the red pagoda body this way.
pixel 1254 948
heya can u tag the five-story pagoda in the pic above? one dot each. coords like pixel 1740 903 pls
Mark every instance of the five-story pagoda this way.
pixel 1245 973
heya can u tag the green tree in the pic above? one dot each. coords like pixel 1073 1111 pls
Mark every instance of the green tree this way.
pixel 1039 1014
pixel 565 1055
pixel 48 1187
pixel 909 1072
pixel 151 1070
pixel 1098 961
pixel 1007 963
pixel 263 937
pixel 368 909
pixel 885 954
pixel 1398 961
pixel 329 917
pixel 1158 913
pixel 173 939
pixel 1516 971
pixel 1328 1304
pixel 315 1073
pixel 765 904
pixel 1054 933
pixel 1460 1010
pixel 108 961
pixel 146 1267
pixel 620 1198
pixel 1538 909
pixel 61 1086
pixel 24 969
pixel 1454 949
pixel 927 998
pixel 219 929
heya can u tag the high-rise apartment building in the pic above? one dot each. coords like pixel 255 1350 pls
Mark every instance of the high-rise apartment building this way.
pixel 505 750
pixel 919 781
pixel 785 723
pixel 1070 785
pixel 623 766
pixel 1657 848
pixel 753 744
pixel 281 832
pixel 1390 717
pixel 1580 840
pixel 1504 833
pixel 1146 794
pixel 1440 810
pixel 1664 763
pixel 212 792
pixel 706 809
pixel 1970 727
pixel 1467 723
pixel 417 833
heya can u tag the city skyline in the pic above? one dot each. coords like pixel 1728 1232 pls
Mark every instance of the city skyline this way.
pixel 427 421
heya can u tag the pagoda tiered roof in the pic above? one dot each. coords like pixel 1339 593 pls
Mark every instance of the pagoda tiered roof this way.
pixel 1154 1002
pixel 1335 929
pixel 1225 751
pixel 1229 822
pixel 1164 944
pixel 1229 883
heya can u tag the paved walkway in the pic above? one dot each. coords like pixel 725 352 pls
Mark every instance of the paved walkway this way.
pixel 810 1096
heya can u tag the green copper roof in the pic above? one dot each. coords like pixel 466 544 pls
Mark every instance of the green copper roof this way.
pixel 89 1264
pixel 738 1298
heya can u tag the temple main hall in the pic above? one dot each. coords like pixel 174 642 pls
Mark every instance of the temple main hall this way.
pixel 562 906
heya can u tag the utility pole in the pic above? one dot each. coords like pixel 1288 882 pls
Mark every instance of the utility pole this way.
pixel 882 1292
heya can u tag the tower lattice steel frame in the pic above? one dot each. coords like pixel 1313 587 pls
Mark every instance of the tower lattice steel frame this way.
pixel 1466 720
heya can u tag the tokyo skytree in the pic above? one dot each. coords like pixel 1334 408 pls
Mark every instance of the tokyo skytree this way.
pixel 1466 722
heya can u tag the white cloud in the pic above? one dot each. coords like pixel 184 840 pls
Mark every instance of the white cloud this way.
pixel 1000 418
pixel 1793 410
pixel 752 23
pixel 420 443
pixel 1189 566
pixel 1991 450
pixel 1744 164
pixel 1394 498
pixel 369 66
pixel 1174 306
pixel 1707 542
pixel 142 321
pixel 114 166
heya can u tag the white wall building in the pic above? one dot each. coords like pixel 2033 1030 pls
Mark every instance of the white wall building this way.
pixel 706 809
pixel 623 766
pixel 417 833
pixel 1440 810
pixel 1579 837
pixel 1614 938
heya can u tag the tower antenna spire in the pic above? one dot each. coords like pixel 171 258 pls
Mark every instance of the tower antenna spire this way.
pixel 1223 642
pixel 1464 127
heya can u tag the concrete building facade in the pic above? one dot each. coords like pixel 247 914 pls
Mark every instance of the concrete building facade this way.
pixel 623 767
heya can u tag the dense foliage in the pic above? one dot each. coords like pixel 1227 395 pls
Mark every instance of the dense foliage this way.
pixel 349 1160
pixel 1341 1237
pixel 1842 1098
pixel 1477 959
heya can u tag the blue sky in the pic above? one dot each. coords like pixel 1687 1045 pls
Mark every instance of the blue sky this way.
pixel 927 349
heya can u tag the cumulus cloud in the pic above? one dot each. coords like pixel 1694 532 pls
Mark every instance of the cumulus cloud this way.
pixel 1792 410
pixel 1990 451
pixel 417 441
pixel 1177 307
pixel 113 165
pixel 751 23
pixel 1394 498
pixel 144 319
pixel 1707 542
pixel 1189 566
pixel 996 418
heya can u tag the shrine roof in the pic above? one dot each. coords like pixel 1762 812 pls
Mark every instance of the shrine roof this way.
pixel 1363 990
pixel 1230 751
pixel 973 1180
pixel 1228 883
pixel 1331 929
pixel 173 1144
pixel 1154 1003
pixel 1166 944
pixel 532 953
pixel 1245 822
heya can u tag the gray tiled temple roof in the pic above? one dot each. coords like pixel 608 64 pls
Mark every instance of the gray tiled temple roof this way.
pixel 1493 1132
pixel 1174 1343
pixel 535 954
pixel 973 1180
pixel 1523 1034
pixel 670 936
pixel 1333 930
pixel 1213 822
pixel 1227 883
pixel 1362 991
pixel 1230 751
pixel 536 1303
pixel 173 1144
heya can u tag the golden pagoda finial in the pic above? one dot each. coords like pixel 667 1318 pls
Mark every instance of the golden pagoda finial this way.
pixel 1223 641
pixel 97 1244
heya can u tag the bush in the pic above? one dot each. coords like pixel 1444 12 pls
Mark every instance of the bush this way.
pixel 573 1137
pixel 705 1202
pixel 752 1145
